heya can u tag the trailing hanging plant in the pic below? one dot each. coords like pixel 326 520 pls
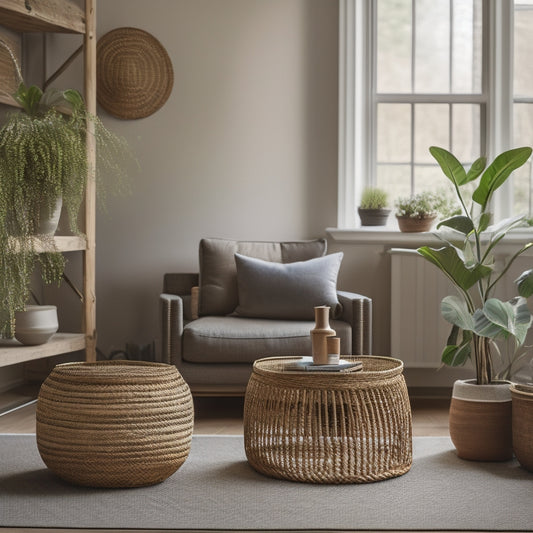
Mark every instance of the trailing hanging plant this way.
pixel 467 259
pixel 43 159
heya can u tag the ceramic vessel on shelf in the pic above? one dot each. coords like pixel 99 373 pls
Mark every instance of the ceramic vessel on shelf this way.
pixel 36 324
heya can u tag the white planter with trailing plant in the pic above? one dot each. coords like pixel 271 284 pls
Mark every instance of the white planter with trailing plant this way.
pixel 43 161
pixel 478 319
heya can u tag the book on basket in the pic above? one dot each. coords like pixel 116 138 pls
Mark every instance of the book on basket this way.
pixel 305 364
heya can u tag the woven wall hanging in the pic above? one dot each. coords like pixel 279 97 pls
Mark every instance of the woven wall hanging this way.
pixel 134 73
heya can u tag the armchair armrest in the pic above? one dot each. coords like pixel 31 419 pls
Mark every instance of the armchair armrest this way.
pixel 171 317
pixel 357 311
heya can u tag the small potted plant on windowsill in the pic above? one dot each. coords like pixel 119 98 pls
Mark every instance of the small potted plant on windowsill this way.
pixel 373 210
pixel 418 212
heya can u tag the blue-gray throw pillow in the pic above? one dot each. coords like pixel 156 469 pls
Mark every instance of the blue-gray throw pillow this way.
pixel 287 290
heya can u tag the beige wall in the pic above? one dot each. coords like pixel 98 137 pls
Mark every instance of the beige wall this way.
pixel 245 147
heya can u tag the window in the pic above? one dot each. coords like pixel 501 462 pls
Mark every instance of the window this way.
pixel 523 101
pixel 416 73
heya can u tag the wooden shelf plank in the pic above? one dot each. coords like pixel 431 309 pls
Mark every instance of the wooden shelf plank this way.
pixel 62 16
pixel 12 352
pixel 70 243
pixel 62 243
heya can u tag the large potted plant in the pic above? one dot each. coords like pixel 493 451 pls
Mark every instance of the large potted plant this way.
pixel 43 163
pixel 480 423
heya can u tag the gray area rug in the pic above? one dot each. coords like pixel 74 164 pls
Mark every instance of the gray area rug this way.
pixel 216 489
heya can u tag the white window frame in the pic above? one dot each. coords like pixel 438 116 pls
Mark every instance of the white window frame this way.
pixel 356 83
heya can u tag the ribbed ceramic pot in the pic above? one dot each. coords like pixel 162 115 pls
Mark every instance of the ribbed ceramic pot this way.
pixel 523 424
pixel 480 420
pixel 36 324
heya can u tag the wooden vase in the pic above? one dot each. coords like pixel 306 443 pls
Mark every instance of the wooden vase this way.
pixel 522 397
pixel 319 334
pixel 480 421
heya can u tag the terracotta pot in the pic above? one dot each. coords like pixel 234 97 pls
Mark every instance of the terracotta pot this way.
pixel 415 225
pixel 523 424
pixel 480 420
pixel 373 217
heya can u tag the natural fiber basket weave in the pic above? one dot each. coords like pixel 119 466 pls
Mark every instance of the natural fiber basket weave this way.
pixel 326 427
pixel 114 423
pixel 134 73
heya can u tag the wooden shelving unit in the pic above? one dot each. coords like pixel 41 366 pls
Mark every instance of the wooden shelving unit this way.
pixel 63 16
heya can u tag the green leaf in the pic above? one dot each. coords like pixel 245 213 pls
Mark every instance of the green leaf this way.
pixel 448 260
pixel 525 283
pixel 456 355
pixel 449 164
pixel 501 319
pixel 497 173
pixel 455 311
pixel 460 223
pixel 74 98
pixel 478 166
pixel 484 222
pixel 452 337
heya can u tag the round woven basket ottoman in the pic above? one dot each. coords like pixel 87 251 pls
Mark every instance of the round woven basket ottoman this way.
pixel 328 427
pixel 114 423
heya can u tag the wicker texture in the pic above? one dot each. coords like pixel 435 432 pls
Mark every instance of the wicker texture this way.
pixel 134 73
pixel 328 427
pixel 114 423
pixel 522 423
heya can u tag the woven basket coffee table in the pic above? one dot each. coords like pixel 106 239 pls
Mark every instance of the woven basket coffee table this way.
pixel 114 423
pixel 325 427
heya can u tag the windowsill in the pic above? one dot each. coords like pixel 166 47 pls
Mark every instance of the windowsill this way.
pixel 388 235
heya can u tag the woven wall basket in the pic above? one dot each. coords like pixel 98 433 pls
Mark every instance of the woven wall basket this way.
pixel 114 423
pixel 328 427
pixel 134 73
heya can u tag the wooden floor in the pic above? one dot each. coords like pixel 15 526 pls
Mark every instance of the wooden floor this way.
pixel 221 416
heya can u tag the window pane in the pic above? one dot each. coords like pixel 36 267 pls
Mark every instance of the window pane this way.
pixel 394 133
pixel 431 178
pixel 431 128
pixel 432 53
pixel 466 46
pixel 395 179
pixel 523 51
pixel 522 178
pixel 394 46
pixel 466 128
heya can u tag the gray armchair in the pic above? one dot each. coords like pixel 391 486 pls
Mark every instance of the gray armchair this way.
pixel 214 340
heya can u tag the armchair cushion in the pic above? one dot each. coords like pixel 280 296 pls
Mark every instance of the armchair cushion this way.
pixel 287 291
pixel 218 272
pixel 229 339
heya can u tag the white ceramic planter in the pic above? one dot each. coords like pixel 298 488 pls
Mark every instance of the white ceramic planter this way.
pixel 36 324
pixel 48 222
